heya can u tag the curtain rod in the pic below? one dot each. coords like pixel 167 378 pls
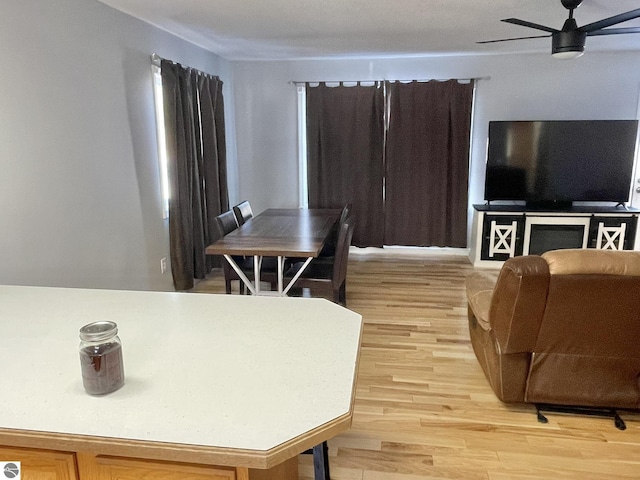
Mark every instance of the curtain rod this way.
pixel 157 60
pixel 296 82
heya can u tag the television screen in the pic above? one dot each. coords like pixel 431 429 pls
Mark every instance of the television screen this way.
pixel 560 161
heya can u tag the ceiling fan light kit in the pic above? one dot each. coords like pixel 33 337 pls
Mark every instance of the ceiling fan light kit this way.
pixel 567 55
pixel 569 42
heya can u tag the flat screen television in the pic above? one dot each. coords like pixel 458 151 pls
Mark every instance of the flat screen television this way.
pixel 555 163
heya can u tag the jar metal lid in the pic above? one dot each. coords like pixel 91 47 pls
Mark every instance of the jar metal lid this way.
pixel 97 331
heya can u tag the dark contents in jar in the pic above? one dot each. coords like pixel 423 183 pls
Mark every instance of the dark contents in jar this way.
pixel 102 368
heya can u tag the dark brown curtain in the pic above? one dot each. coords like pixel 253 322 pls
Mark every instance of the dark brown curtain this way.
pixel 196 154
pixel 345 138
pixel 427 163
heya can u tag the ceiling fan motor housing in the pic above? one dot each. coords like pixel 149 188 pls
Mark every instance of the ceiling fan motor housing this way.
pixel 568 41
pixel 571 4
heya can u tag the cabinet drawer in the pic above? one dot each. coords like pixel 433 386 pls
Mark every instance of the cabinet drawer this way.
pixel 41 464
pixel 117 468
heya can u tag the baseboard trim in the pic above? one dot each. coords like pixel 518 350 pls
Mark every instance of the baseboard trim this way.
pixel 402 250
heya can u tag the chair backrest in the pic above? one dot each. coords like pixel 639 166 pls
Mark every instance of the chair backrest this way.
pixel 227 222
pixel 329 249
pixel 243 212
pixel 346 211
pixel 341 260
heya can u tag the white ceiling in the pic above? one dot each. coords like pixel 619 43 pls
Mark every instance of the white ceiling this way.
pixel 288 29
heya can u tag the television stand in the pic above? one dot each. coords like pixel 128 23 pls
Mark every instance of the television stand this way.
pixel 551 205
pixel 504 231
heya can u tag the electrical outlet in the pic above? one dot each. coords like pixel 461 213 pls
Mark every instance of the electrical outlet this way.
pixel 163 265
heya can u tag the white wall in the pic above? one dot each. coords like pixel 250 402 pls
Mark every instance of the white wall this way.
pixel 534 86
pixel 79 188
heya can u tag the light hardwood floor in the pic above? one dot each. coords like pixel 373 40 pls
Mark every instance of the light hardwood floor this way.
pixel 423 408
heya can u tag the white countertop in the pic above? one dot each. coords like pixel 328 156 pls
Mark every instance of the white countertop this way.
pixel 227 371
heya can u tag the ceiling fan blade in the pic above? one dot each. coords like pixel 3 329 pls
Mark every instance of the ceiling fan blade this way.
pixel 518 38
pixel 524 23
pixel 607 22
pixel 614 31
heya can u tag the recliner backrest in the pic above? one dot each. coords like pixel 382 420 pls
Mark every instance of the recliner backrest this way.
pixel 592 291
pixel 588 337
pixel 601 301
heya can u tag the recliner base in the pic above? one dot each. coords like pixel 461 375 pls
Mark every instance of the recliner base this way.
pixel 592 411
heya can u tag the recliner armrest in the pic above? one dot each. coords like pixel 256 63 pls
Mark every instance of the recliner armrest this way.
pixel 479 288
pixel 518 302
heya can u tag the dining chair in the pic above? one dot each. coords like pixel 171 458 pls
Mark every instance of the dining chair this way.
pixel 328 278
pixel 227 223
pixel 243 212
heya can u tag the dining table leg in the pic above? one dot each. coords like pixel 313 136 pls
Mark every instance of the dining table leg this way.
pixel 281 275
pixel 240 273
pixel 257 265
pixel 321 462
pixel 296 276
pixel 254 287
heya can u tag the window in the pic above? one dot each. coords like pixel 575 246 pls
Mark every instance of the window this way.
pixel 302 147
pixel 162 143
pixel 398 151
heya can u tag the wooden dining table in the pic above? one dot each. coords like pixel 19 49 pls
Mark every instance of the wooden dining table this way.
pixel 280 233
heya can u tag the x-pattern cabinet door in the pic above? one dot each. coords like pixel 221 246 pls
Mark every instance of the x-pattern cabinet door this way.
pixel 612 233
pixel 501 236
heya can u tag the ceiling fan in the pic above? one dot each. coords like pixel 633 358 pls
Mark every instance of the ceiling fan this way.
pixel 569 42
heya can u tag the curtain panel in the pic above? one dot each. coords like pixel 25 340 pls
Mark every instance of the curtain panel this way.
pixel 345 147
pixel 197 167
pixel 427 163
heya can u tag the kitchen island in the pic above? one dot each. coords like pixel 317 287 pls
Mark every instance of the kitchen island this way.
pixel 217 386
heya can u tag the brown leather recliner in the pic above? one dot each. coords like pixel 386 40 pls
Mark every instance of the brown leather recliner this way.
pixel 562 328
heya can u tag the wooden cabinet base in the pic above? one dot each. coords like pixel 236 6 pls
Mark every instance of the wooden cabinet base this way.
pixel 40 464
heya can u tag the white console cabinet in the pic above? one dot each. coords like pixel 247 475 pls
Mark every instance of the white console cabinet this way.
pixel 504 231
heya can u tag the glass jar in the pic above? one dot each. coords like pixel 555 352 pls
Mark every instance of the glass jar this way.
pixel 101 358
